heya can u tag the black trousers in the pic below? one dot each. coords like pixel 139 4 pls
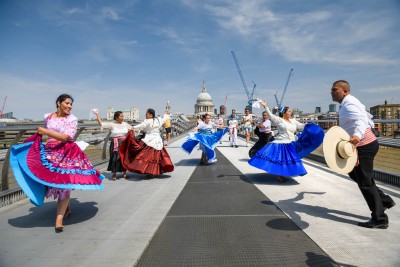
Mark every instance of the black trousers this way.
pixel 363 175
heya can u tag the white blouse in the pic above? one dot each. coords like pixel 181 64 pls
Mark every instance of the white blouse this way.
pixel 152 129
pixel 117 129
pixel 232 123
pixel 248 120
pixel 206 127
pixel 353 117
pixel 286 129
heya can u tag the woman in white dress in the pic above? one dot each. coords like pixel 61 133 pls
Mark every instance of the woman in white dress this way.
pixel 282 156
pixel 119 130
pixel 147 155
pixel 207 137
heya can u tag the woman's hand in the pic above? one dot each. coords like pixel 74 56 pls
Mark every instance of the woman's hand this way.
pixel 264 103
pixel 41 130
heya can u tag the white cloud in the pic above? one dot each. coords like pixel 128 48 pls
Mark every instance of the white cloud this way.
pixel 336 35
pixel 73 11
pixel 110 13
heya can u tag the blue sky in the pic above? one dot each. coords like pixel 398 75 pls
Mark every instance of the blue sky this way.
pixel 144 53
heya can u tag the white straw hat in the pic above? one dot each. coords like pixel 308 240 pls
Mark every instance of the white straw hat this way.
pixel 340 155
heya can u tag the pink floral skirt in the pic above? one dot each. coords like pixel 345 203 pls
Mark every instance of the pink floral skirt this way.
pixel 58 193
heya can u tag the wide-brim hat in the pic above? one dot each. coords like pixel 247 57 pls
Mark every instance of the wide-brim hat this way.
pixel 339 153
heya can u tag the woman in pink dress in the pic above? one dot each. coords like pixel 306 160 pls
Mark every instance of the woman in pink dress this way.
pixel 56 167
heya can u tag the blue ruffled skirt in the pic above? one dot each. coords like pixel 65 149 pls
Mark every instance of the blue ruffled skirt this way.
pixel 208 142
pixel 284 159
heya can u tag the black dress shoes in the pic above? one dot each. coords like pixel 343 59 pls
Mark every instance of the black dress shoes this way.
pixel 373 224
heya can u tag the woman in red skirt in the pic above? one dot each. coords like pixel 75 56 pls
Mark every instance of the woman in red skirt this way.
pixel 148 155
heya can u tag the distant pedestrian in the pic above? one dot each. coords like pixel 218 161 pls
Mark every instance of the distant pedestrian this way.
pixel 167 126
pixel 281 156
pixel 233 128
pixel 164 138
pixel 56 167
pixel 119 130
pixel 354 119
pixel 148 155
pixel 248 125
pixel 199 119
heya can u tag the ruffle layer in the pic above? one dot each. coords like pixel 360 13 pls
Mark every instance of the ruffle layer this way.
pixel 37 166
pixel 285 158
pixel 137 157
pixel 310 139
pixel 279 159
pixel 208 142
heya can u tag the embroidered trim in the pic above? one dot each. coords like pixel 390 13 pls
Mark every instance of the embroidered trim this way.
pixel 44 157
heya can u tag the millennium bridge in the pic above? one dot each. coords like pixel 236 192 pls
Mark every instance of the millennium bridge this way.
pixel 223 214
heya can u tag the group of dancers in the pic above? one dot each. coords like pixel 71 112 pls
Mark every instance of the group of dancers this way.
pixel 56 167
pixel 280 154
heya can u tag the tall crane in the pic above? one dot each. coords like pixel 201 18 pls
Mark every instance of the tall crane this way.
pixel 248 93
pixel 279 103
pixel 2 109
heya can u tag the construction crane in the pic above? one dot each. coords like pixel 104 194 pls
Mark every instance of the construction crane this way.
pixel 2 109
pixel 279 103
pixel 249 94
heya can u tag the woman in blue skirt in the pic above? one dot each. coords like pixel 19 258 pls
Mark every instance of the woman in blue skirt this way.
pixel 282 156
pixel 207 139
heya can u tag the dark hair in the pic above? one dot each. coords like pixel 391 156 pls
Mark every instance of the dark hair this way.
pixel 116 114
pixel 205 115
pixel 283 111
pixel 152 112
pixel 62 98
pixel 344 84
pixel 341 81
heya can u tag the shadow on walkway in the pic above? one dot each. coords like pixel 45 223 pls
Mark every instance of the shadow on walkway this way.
pixel 45 216
pixel 292 208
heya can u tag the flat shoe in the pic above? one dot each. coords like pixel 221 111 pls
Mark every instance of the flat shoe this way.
pixel 59 229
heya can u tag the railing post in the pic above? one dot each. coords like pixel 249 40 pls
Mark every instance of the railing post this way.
pixel 80 130
pixel 6 164
pixel 103 154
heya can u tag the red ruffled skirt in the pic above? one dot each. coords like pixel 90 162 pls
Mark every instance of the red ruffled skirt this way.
pixel 137 157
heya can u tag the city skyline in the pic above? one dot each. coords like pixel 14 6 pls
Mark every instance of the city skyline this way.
pixel 145 53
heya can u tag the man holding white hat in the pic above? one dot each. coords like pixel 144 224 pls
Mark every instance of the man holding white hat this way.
pixel 356 121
